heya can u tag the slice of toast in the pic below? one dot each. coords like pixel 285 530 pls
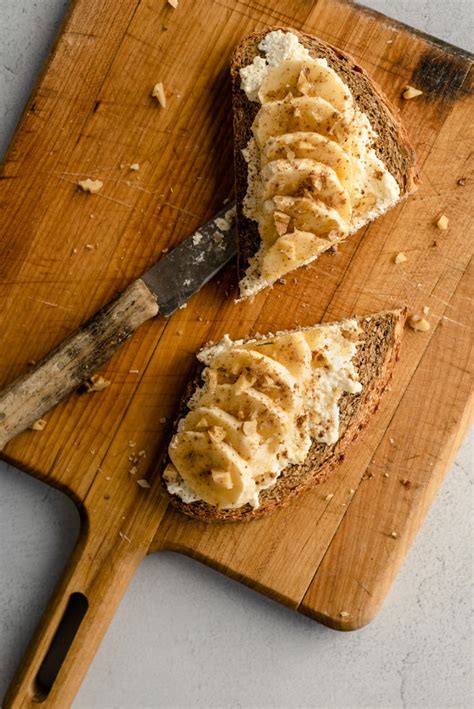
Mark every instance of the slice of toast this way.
pixel 391 143
pixel 377 352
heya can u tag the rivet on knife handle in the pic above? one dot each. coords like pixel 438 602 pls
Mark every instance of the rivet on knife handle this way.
pixel 74 360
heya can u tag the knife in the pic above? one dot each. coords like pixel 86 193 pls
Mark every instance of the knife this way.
pixel 162 289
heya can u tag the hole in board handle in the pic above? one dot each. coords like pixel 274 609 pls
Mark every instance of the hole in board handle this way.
pixel 62 640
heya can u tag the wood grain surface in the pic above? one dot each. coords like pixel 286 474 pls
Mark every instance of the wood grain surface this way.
pixel 92 115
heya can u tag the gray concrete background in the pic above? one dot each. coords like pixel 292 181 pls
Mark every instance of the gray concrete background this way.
pixel 186 636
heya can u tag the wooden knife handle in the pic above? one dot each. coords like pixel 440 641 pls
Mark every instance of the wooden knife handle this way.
pixel 74 623
pixel 74 360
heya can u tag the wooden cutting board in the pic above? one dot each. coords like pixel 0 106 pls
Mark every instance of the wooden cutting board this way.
pixel 335 552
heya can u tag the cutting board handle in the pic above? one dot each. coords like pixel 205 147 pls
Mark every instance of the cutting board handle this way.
pixel 74 623
pixel 74 360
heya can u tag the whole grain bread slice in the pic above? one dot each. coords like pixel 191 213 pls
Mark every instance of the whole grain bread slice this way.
pixel 392 145
pixel 375 359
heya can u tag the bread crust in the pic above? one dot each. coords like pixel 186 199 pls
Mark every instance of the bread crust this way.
pixel 375 361
pixel 392 146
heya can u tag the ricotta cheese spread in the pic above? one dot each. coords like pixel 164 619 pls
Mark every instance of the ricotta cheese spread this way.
pixel 313 174
pixel 262 404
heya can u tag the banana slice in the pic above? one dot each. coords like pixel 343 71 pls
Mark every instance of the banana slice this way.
pixel 291 251
pixel 270 377
pixel 312 146
pixel 201 462
pixel 306 77
pixel 212 418
pixel 292 351
pixel 300 213
pixel 303 177
pixel 305 113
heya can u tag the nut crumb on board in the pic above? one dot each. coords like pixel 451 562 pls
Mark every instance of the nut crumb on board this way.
pixel 400 258
pixel 143 483
pixel 461 182
pixel 173 3
pixel 135 166
pixel 344 614
pixel 406 483
pixel 133 470
pixel 425 309
pixel 442 222
pixel 38 425
pixel 92 186
pixel 394 535
pixel 416 322
pixel 133 371
pixel 124 537
pixel 392 441
pixel 96 383
pixel 410 92
pixel 158 92
pixel 386 475
pixel 329 497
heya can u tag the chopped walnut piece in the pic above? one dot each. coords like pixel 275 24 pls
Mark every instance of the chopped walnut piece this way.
pixel 416 322
pixel 159 93
pixel 92 186
pixel 400 258
pixel 410 92
pixel 222 478
pixel 249 427
pixel 281 221
pixel 216 434
pixel 96 383
pixel 442 222
pixel 173 3
pixel 38 425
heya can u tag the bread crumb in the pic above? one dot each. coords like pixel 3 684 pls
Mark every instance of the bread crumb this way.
pixel 443 222
pixel 410 92
pixel 173 3
pixel 135 166
pixel 143 483
pixel 344 614
pixel 400 258
pixel 416 322
pixel 38 425
pixel 96 383
pixel 394 535
pixel 329 497
pixel 92 186
pixel 159 93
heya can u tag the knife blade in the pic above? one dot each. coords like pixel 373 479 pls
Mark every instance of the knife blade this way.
pixel 189 266
pixel 163 289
